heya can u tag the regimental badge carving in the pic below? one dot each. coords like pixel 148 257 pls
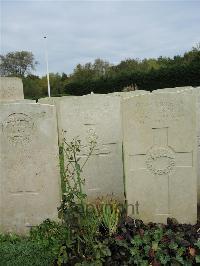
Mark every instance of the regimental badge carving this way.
pixel 160 161
pixel 18 128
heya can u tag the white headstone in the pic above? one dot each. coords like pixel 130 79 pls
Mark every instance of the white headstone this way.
pixel 29 169
pixel 196 93
pixel 125 94
pixel 97 115
pixel 11 89
pixel 160 156
pixel 49 100
pixel 175 89
pixel 19 101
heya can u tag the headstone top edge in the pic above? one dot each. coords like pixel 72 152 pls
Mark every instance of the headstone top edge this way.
pixel 18 78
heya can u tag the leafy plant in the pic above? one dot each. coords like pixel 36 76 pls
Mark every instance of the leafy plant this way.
pixel 73 204
pixel 109 213
pixel 83 222
pixel 53 236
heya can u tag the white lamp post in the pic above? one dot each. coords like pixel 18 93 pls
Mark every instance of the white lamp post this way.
pixel 46 56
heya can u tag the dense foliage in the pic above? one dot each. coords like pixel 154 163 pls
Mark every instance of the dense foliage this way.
pixel 36 87
pixel 103 77
pixel 148 74
pixel 133 243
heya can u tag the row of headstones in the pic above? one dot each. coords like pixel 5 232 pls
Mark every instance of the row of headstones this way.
pixel 159 133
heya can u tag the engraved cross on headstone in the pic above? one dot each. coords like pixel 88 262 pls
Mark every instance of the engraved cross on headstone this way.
pixel 161 161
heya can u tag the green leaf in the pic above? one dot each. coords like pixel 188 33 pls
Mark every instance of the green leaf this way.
pixel 164 259
pixel 180 251
pixel 197 258
pixel 144 263
pixel 137 241
pixel 134 252
pixel 198 244
pixel 154 245
pixel 179 259
pixel 146 249
pixel 173 245
pixel 158 234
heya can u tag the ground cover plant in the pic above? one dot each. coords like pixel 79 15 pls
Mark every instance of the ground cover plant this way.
pixel 98 233
pixel 133 243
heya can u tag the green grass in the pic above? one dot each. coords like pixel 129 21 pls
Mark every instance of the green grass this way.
pixel 24 252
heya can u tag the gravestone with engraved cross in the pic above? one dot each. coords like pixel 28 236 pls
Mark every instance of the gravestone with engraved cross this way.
pixel 196 92
pixel 160 156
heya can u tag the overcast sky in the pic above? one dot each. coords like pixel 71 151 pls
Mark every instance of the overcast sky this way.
pixel 80 31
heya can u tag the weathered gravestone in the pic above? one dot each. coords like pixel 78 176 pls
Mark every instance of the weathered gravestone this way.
pixel 96 115
pixel 49 100
pixel 160 156
pixel 125 94
pixel 52 101
pixel 196 92
pixel 175 89
pixel 11 89
pixel 29 169
pixel 18 101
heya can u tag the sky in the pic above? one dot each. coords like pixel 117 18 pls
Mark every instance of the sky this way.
pixel 81 31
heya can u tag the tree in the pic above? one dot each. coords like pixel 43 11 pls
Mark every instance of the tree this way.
pixel 148 74
pixel 33 87
pixel 90 71
pixel 100 67
pixel 17 64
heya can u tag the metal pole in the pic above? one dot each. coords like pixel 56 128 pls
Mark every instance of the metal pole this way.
pixel 46 56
